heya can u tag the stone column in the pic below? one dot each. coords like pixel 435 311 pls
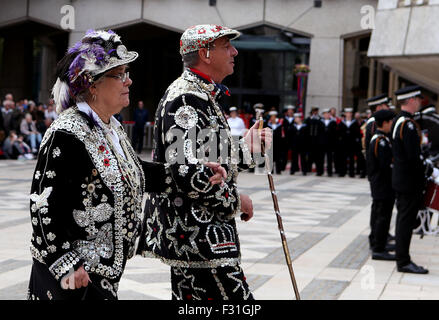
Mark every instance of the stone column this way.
pixel 371 85
pixel 379 81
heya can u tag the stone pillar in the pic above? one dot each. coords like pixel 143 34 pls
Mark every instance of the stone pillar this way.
pixel 371 84
pixel 324 86
pixel 379 81
pixel 391 83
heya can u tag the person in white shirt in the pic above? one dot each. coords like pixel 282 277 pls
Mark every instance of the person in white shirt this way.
pixel 236 124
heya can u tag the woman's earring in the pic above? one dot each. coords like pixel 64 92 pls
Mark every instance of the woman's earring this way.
pixel 94 98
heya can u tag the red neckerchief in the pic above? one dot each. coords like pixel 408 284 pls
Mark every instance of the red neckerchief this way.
pixel 201 74
pixel 209 79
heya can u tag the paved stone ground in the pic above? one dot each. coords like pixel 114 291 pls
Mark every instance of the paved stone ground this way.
pixel 326 223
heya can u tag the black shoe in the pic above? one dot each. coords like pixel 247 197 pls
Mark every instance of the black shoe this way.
pixel 390 237
pixel 390 247
pixel 383 256
pixel 304 173
pixel 412 268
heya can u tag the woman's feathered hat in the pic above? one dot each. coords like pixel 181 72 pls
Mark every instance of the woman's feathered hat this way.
pixel 97 52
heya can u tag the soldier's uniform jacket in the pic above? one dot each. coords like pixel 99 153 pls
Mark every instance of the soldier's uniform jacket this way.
pixel 408 170
pixel 84 211
pixel 370 132
pixel 316 130
pixel 300 137
pixel 288 130
pixel 379 166
pixel 192 224
pixel 349 135
pixel 330 134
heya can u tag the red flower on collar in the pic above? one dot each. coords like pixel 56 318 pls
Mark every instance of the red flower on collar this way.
pixel 101 148
pixel 106 162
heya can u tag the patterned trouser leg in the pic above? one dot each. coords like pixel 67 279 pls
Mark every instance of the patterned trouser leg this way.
pixel 222 283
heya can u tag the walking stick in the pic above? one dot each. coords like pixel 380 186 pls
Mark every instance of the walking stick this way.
pixel 278 216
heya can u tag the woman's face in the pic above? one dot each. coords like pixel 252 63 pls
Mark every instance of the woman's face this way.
pixel 112 92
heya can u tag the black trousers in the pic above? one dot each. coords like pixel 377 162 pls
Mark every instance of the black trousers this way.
pixel 408 205
pixel 380 217
pixel 340 161
pixel 296 156
pixel 329 155
pixel 44 286
pixel 284 155
pixel 222 283
pixel 316 156
pixel 137 139
pixel 361 162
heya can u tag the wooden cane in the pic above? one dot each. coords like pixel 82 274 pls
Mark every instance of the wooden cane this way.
pixel 278 216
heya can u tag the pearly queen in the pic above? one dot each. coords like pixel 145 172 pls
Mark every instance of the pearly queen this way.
pixel 95 224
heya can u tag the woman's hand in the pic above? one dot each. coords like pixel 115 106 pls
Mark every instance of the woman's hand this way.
pixel 220 174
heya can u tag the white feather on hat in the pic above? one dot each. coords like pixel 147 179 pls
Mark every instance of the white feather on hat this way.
pixel 60 92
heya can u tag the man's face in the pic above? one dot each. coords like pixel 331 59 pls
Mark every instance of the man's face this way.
pixel 222 57
pixel 348 115
pixel 332 112
pixel 140 104
pixel 327 115
pixel 290 112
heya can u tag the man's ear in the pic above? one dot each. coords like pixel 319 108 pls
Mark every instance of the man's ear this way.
pixel 203 55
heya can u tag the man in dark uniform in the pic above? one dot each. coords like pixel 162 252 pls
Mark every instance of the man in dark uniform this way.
pixel 316 130
pixel 349 143
pixel 376 103
pixel 300 145
pixel 408 176
pixel 379 172
pixel 140 119
pixel 278 141
pixel 288 132
pixel 329 140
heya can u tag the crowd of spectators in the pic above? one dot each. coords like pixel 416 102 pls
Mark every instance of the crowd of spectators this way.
pixel 22 126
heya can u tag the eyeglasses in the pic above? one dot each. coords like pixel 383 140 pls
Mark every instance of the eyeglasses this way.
pixel 121 76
